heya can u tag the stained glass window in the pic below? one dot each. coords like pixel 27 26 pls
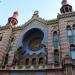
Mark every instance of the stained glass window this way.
pixel 70 34
pixel 55 39
pixel 35 44
pixel 33 39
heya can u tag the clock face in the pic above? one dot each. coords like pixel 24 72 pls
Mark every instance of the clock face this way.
pixel 35 44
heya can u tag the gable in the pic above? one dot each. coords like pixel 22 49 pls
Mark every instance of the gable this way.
pixel 33 22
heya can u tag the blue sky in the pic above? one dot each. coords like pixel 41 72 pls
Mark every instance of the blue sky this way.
pixel 48 9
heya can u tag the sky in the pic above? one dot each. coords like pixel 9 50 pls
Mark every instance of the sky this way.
pixel 48 9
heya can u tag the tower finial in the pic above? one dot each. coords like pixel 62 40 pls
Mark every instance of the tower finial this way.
pixel 64 2
pixel 36 13
pixel 15 14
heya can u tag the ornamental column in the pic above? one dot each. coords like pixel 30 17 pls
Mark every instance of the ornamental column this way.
pixel 67 64
pixel 50 52
pixel 13 21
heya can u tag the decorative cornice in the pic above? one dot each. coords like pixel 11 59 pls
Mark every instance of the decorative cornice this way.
pixel 4 27
pixel 37 19
pixel 66 15
pixel 8 27
pixel 18 28
pixel 50 22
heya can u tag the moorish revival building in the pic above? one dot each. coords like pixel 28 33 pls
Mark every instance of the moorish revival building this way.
pixel 39 47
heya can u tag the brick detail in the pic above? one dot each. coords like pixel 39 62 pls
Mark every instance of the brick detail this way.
pixel 63 39
pixel 4 45
pixel 50 56
pixel 12 53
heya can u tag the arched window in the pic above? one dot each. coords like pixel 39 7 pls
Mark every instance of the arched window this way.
pixel 34 61
pixel 55 39
pixel 72 50
pixel 69 34
pixel 66 9
pixel 74 29
pixel 27 61
pixel 74 32
pixel 69 31
pixel 56 56
pixel 41 61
